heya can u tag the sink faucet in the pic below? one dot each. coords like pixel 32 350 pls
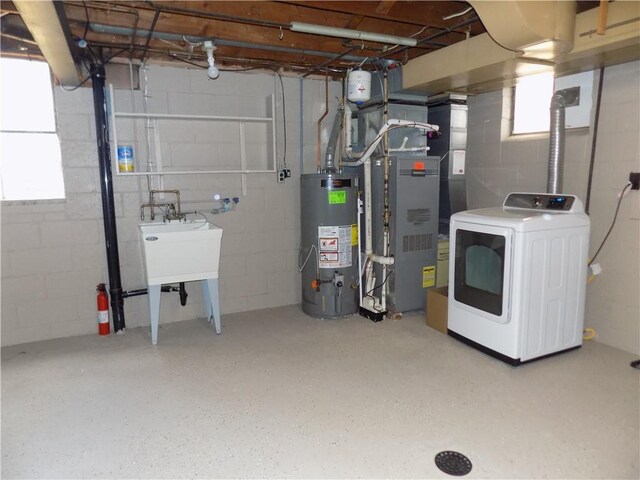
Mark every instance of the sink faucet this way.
pixel 171 212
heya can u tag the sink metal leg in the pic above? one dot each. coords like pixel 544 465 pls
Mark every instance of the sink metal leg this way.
pixel 208 311
pixel 212 301
pixel 154 310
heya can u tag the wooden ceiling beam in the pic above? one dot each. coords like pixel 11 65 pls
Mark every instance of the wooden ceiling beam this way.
pixel 414 13
pixel 183 25
pixel 285 12
pixel 354 22
pixel 258 23
pixel 178 24
pixel 225 56
pixel 8 7
pixel 122 42
pixel 385 6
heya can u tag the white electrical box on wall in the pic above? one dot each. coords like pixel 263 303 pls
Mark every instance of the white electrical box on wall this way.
pixel 578 115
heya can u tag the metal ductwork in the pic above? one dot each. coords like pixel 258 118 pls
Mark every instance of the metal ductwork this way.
pixel 43 19
pixel 539 30
pixel 555 171
pixel 329 158
pixel 556 144
pixel 525 42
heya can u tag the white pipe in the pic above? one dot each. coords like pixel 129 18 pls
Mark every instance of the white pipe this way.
pixel 368 302
pixel 381 259
pixel 410 149
pixel 368 243
pixel 347 126
pixel 354 34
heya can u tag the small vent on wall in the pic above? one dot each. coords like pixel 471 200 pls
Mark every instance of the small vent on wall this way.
pixel 416 243
pixel 418 216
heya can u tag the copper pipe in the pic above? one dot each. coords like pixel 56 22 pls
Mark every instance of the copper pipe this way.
pixel 602 17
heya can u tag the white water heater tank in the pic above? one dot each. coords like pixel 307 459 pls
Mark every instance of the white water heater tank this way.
pixel 359 86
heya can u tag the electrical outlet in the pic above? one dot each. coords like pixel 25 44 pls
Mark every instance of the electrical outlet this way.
pixel 634 178
pixel 281 176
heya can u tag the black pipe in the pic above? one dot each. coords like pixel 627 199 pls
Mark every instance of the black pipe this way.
pixel 106 188
pixel 435 35
pixel 143 291
pixel 328 62
pixel 183 294
pixel 594 140
pixel 153 27
pixel 217 16
pixel 134 293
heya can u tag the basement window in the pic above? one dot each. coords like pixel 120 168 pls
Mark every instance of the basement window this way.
pixel 531 104
pixel 30 159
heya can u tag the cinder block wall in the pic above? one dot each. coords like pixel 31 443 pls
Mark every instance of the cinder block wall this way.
pixel 498 165
pixel 53 252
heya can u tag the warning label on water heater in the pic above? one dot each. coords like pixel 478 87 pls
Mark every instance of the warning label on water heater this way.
pixel 335 246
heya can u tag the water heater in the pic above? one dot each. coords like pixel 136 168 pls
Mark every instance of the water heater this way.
pixel 329 244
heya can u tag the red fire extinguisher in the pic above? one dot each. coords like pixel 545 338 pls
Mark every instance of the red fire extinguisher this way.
pixel 103 310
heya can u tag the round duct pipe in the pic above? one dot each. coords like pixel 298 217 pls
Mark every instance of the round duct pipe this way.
pixel 555 170
pixel 556 144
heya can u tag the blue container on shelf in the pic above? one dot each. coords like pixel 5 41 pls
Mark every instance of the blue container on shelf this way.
pixel 125 158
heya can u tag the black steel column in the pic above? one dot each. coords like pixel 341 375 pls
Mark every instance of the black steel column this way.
pixel 108 207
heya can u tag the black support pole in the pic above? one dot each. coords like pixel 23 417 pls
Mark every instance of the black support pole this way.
pixel 108 207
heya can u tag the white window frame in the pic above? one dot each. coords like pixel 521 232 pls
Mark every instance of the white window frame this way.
pixel 576 116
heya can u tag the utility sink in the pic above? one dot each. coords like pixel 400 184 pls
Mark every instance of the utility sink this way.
pixel 180 251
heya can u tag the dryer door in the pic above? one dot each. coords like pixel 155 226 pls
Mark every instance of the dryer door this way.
pixel 482 269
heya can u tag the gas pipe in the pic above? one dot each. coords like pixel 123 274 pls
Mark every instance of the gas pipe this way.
pixel 103 310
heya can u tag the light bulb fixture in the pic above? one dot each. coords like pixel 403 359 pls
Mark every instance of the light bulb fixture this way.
pixel 212 71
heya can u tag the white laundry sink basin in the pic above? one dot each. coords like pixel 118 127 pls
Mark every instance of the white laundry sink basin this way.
pixel 180 251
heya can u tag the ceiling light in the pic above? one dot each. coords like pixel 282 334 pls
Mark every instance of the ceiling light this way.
pixel 212 71
pixel 354 34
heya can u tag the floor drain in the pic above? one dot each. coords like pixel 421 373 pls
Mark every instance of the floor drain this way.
pixel 453 463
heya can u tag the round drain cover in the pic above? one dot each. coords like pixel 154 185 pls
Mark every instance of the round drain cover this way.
pixel 453 463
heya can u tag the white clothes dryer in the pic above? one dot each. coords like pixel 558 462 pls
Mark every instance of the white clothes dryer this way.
pixel 518 276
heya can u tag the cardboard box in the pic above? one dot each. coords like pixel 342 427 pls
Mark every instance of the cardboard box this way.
pixel 437 308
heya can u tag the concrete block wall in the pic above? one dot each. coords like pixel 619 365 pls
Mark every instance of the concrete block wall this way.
pixel 499 164
pixel 53 252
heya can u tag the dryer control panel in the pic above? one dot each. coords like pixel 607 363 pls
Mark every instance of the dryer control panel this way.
pixel 544 202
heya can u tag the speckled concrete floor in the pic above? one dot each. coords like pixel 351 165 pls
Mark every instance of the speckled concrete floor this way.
pixel 279 394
